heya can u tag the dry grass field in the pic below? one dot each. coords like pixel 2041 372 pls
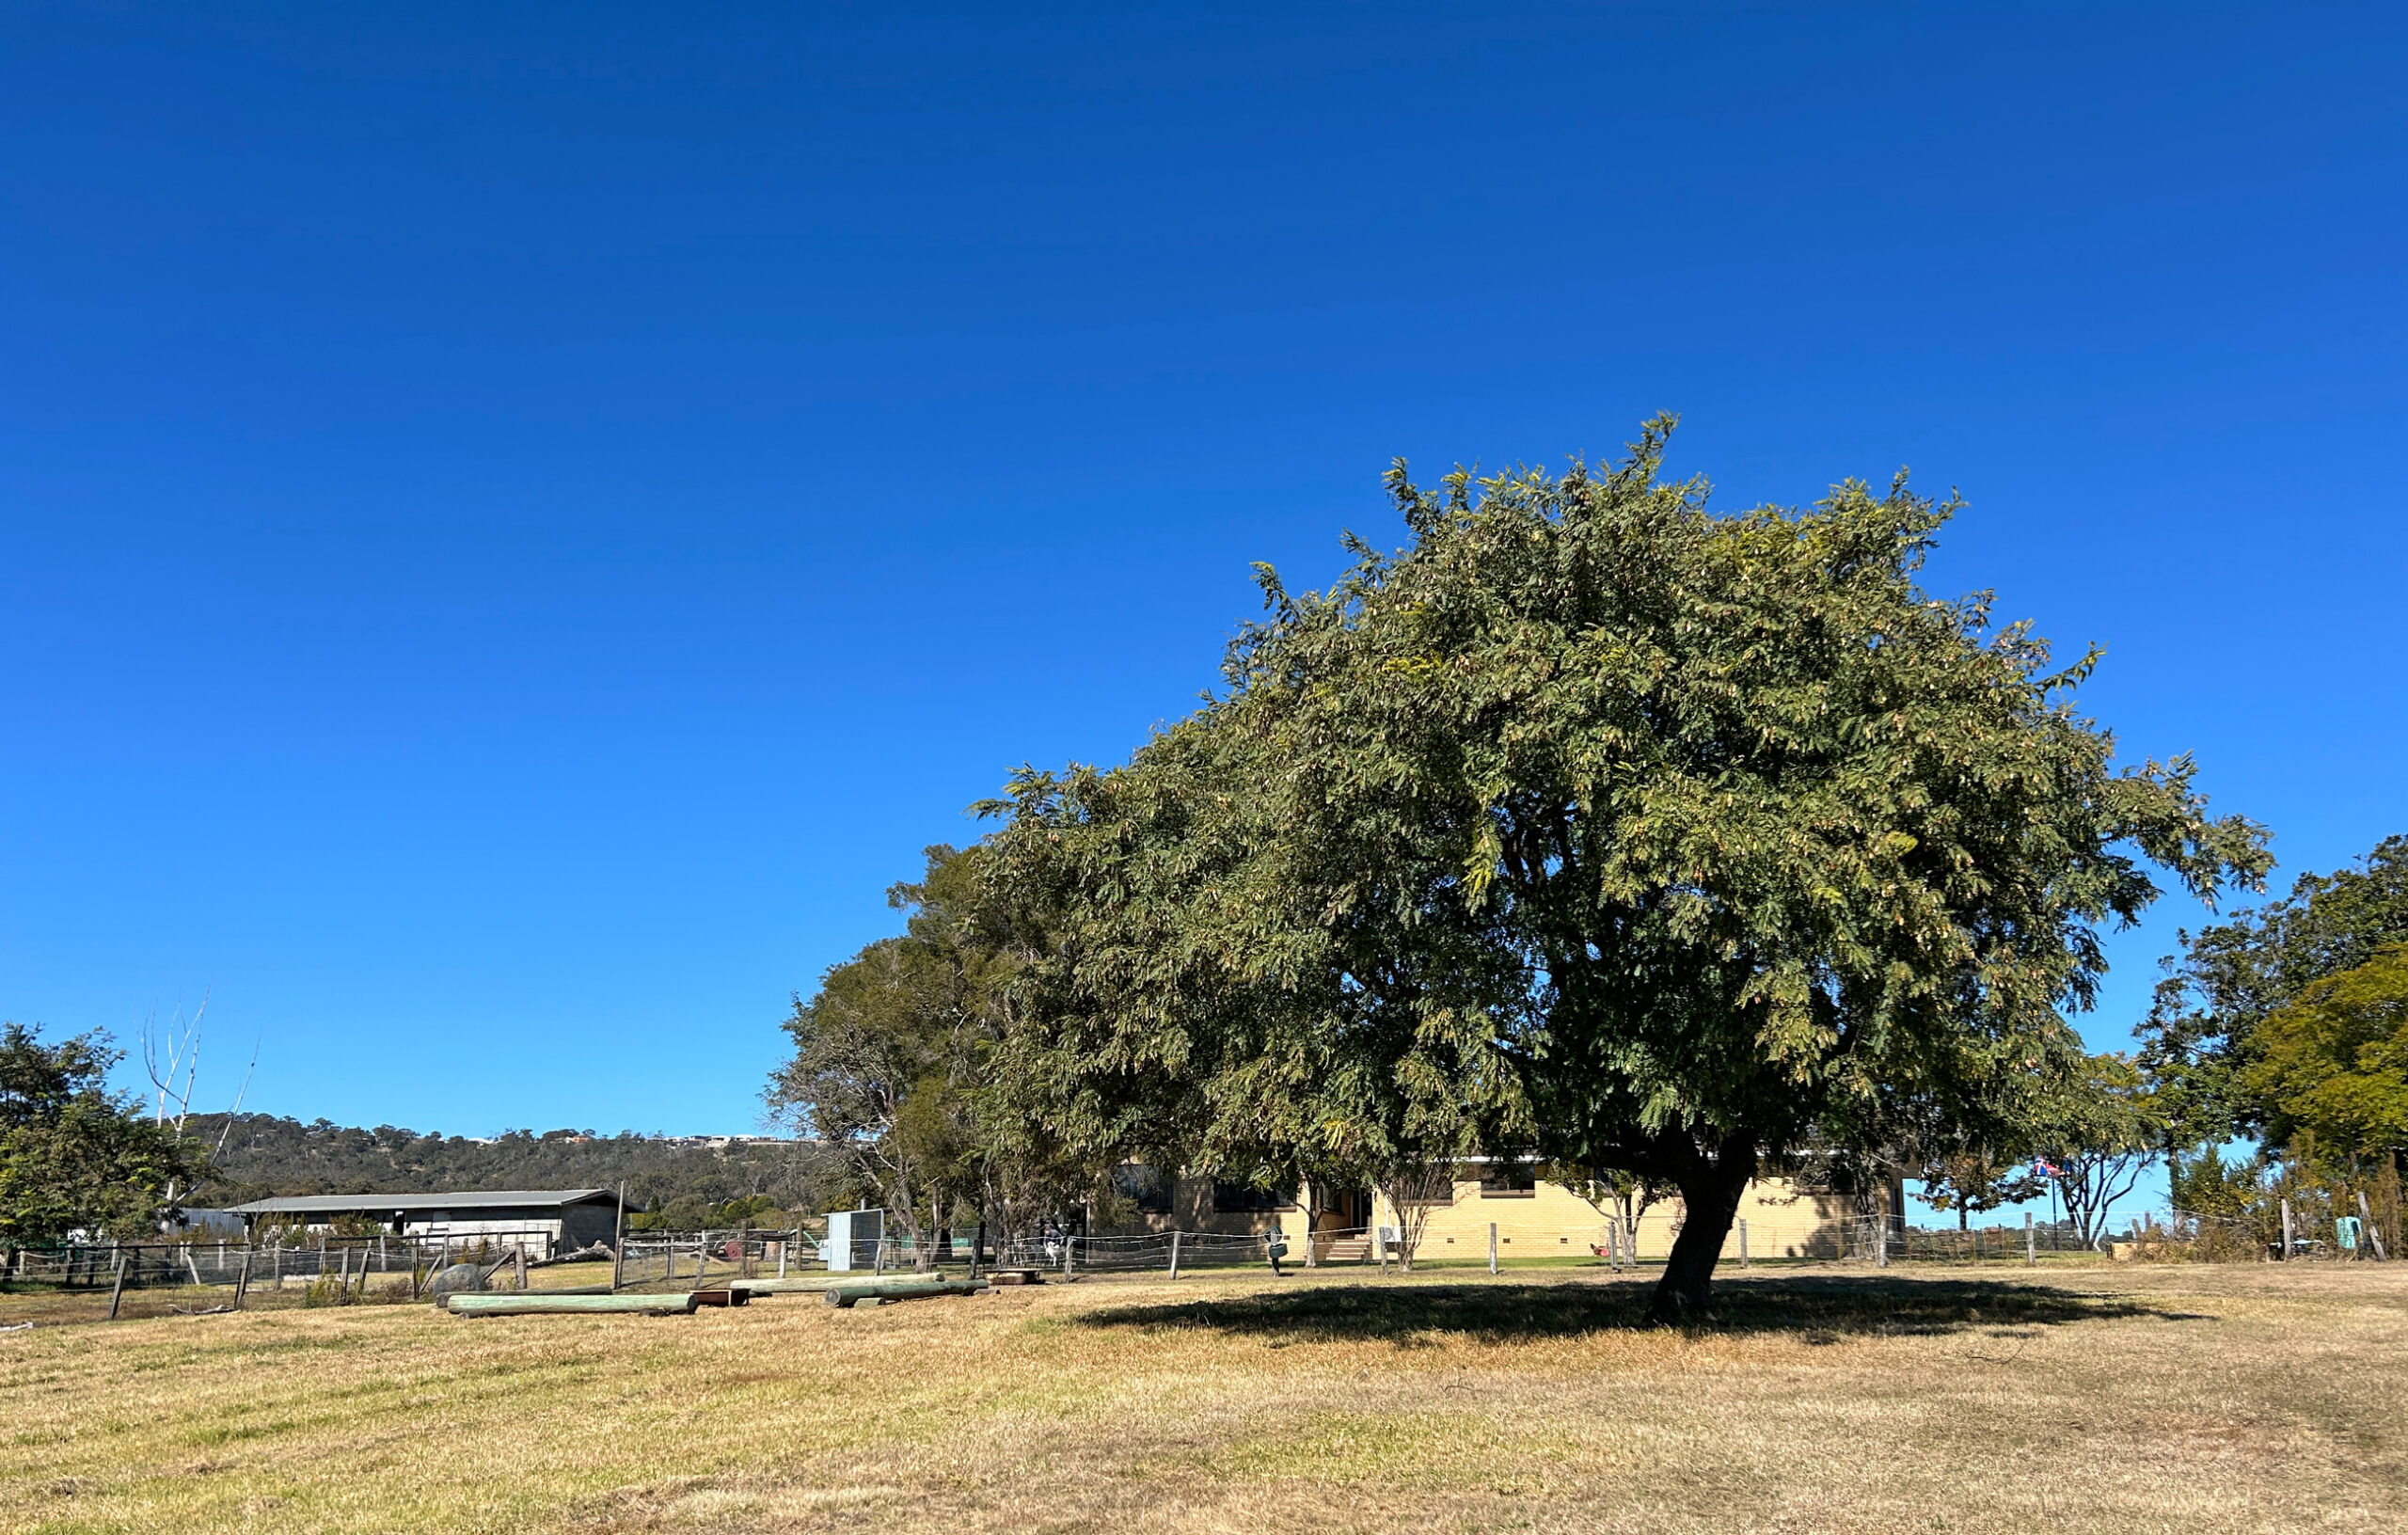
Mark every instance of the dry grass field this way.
pixel 2174 1398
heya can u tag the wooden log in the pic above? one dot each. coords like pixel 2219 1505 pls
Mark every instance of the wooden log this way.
pixel 899 1289
pixel 536 1303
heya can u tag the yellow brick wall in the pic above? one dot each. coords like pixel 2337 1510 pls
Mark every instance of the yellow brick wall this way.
pixel 1550 1221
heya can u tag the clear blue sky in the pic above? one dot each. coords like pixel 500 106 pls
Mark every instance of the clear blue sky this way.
pixel 514 529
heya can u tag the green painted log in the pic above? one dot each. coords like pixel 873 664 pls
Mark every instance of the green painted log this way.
pixel 899 1289
pixel 804 1284
pixel 812 1284
pixel 535 1303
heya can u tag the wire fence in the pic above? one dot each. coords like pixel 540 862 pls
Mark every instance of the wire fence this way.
pixel 695 1258
pixel 270 1263
pixel 330 1269
pixel 699 1257
pixel 2280 1230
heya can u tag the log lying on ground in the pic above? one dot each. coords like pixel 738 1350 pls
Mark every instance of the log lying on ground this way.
pixel 595 1252
pixel 526 1302
pixel 804 1284
pixel 814 1284
pixel 899 1289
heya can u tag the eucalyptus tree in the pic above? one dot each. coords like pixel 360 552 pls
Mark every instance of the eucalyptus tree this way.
pixel 2205 1041
pixel 75 1155
pixel 891 1060
pixel 1656 840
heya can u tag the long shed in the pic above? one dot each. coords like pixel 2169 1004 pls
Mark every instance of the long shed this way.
pixel 562 1219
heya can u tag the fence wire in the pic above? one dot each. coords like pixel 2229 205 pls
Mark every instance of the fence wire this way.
pixel 349 1268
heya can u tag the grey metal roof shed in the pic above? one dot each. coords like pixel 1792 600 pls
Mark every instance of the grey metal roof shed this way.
pixel 565 1217
pixel 348 1204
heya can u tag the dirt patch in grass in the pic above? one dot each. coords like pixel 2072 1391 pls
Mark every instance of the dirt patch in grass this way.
pixel 2169 1398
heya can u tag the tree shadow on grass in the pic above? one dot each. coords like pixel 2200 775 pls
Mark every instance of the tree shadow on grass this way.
pixel 1818 1309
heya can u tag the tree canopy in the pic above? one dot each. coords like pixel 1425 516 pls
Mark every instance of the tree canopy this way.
pixel 2203 1043
pixel 2333 1061
pixel 1650 839
pixel 73 1156
pixel 893 1059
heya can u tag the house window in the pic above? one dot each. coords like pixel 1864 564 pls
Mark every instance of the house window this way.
pixel 1509 1180
pixel 1244 1199
pixel 1148 1188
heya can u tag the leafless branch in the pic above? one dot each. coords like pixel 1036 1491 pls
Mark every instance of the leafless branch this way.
pixel 239 1094
pixel 173 1077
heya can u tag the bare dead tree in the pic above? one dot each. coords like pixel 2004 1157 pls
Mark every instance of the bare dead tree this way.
pixel 172 1059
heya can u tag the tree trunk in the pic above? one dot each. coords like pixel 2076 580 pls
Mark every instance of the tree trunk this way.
pixel 1710 1193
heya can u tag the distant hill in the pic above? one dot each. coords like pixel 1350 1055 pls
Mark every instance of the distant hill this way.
pixel 263 1155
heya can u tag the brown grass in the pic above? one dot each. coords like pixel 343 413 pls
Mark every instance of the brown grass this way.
pixel 2205 1399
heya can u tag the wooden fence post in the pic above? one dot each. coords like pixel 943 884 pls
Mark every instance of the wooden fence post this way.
pixel 117 1289
pixel 2287 1229
pixel 2031 1243
pixel 243 1280
pixel 619 1240
pixel 1743 1244
pixel 1492 1246
pixel 1174 1254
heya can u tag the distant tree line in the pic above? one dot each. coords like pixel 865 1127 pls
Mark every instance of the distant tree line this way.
pixel 263 1156
pixel 76 1157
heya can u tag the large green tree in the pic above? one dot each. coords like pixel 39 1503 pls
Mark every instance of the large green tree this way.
pixel 1656 840
pixel 893 1060
pixel 2203 1045
pixel 2333 1061
pixel 74 1156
